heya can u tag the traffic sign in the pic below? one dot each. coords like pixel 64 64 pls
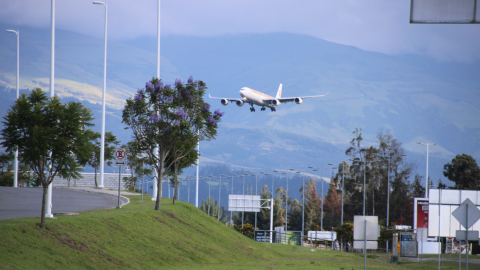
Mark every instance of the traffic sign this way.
pixel 120 157
pixel 467 209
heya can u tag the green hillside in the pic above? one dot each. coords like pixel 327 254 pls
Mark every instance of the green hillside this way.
pixel 137 237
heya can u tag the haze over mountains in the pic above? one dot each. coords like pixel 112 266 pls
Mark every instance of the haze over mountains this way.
pixel 415 98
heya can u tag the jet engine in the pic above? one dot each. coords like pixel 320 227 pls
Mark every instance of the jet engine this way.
pixel 275 102
pixel 298 100
pixel 224 101
pixel 239 103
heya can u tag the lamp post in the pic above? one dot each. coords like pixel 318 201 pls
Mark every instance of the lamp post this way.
pixel 243 193
pixel 48 210
pixel 256 193
pixel 219 196
pixel 426 178
pixel 303 202
pixel 102 145
pixel 231 212
pixel 15 176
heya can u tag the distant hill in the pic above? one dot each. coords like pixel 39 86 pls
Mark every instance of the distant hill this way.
pixel 414 97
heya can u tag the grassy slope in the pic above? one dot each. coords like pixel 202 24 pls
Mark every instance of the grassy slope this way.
pixel 136 237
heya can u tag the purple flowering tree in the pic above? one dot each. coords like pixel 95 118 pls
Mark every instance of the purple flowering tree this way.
pixel 171 120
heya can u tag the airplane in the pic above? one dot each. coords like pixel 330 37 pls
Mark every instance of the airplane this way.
pixel 254 97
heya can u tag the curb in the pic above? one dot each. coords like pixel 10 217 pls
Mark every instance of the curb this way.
pixel 123 200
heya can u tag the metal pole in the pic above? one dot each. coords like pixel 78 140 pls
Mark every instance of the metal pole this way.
pixel 286 211
pixel 256 193
pixel 365 247
pixel 343 189
pixel 466 241
pixel 243 193
pixel 219 197
pixel 143 177
pixel 231 212
pixel 439 223
pixel 48 212
pixel 303 203
pixel 364 173
pixel 158 41
pixel 271 220
pixel 208 200
pixel 388 193
pixel 119 180
pixel 426 180
pixel 104 94
pixel 323 201
pixel 15 175
pixel 198 159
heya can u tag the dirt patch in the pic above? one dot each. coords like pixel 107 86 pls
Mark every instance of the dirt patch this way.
pixel 172 216
pixel 66 240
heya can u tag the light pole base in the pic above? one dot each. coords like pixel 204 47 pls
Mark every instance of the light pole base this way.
pixel 154 199
pixel 49 215
pixel 101 186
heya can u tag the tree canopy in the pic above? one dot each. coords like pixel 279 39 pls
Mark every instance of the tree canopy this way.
pixel 464 171
pixel 167 117
pixel 52 138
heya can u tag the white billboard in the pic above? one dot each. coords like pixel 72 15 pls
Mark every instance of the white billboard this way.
pixel 442 222
pixel 244 203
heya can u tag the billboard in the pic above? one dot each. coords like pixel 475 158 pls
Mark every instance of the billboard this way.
pixel 422 213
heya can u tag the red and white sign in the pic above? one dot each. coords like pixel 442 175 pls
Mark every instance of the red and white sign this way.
pixel 120 157
pixel 422 213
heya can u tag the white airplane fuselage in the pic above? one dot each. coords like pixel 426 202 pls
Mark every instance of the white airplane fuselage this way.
pixel 252 96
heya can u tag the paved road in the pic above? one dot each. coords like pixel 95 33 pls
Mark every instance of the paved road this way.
pixel 27 202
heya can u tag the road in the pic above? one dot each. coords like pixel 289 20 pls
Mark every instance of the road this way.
pixel 27 202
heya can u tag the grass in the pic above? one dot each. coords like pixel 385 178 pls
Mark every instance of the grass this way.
pixel 177 237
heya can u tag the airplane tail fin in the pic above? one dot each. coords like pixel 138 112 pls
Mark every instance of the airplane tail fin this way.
pixel 279 92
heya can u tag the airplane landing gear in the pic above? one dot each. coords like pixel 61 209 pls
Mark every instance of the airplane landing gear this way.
pixel 252 109
pixel 273 109
pixel 263 109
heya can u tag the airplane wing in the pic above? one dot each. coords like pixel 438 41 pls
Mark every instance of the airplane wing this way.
pixel 292 99
pixel 226 99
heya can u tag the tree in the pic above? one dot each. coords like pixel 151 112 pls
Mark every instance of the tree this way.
pixel 313 203
pixel 333 207
pixel 441 185
pixel 167 118
pixel 464 171
pixel 418 189
pixel 110 147
pixel 51 137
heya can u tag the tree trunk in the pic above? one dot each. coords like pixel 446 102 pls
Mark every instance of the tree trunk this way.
pixel 175 179
pixel 160 178
pixel 44 204
pixel 96 184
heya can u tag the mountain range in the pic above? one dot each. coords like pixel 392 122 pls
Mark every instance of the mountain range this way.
pixel 415 98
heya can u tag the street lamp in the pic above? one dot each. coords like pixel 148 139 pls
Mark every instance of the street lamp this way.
pixel 256 193
pixel 102 145
pixel 219 195
pixel 426 178
pixel 15 176
pixel 243 193
pixel 231 212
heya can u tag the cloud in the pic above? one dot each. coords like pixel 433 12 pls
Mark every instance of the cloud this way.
pixel 375 25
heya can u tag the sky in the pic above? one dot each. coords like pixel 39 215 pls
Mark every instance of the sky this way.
pixel 372 25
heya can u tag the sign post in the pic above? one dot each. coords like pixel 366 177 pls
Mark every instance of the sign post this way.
pixel 120 160
pixel 467 214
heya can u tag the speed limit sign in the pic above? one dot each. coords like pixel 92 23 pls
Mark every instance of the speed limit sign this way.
pixel 120 157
